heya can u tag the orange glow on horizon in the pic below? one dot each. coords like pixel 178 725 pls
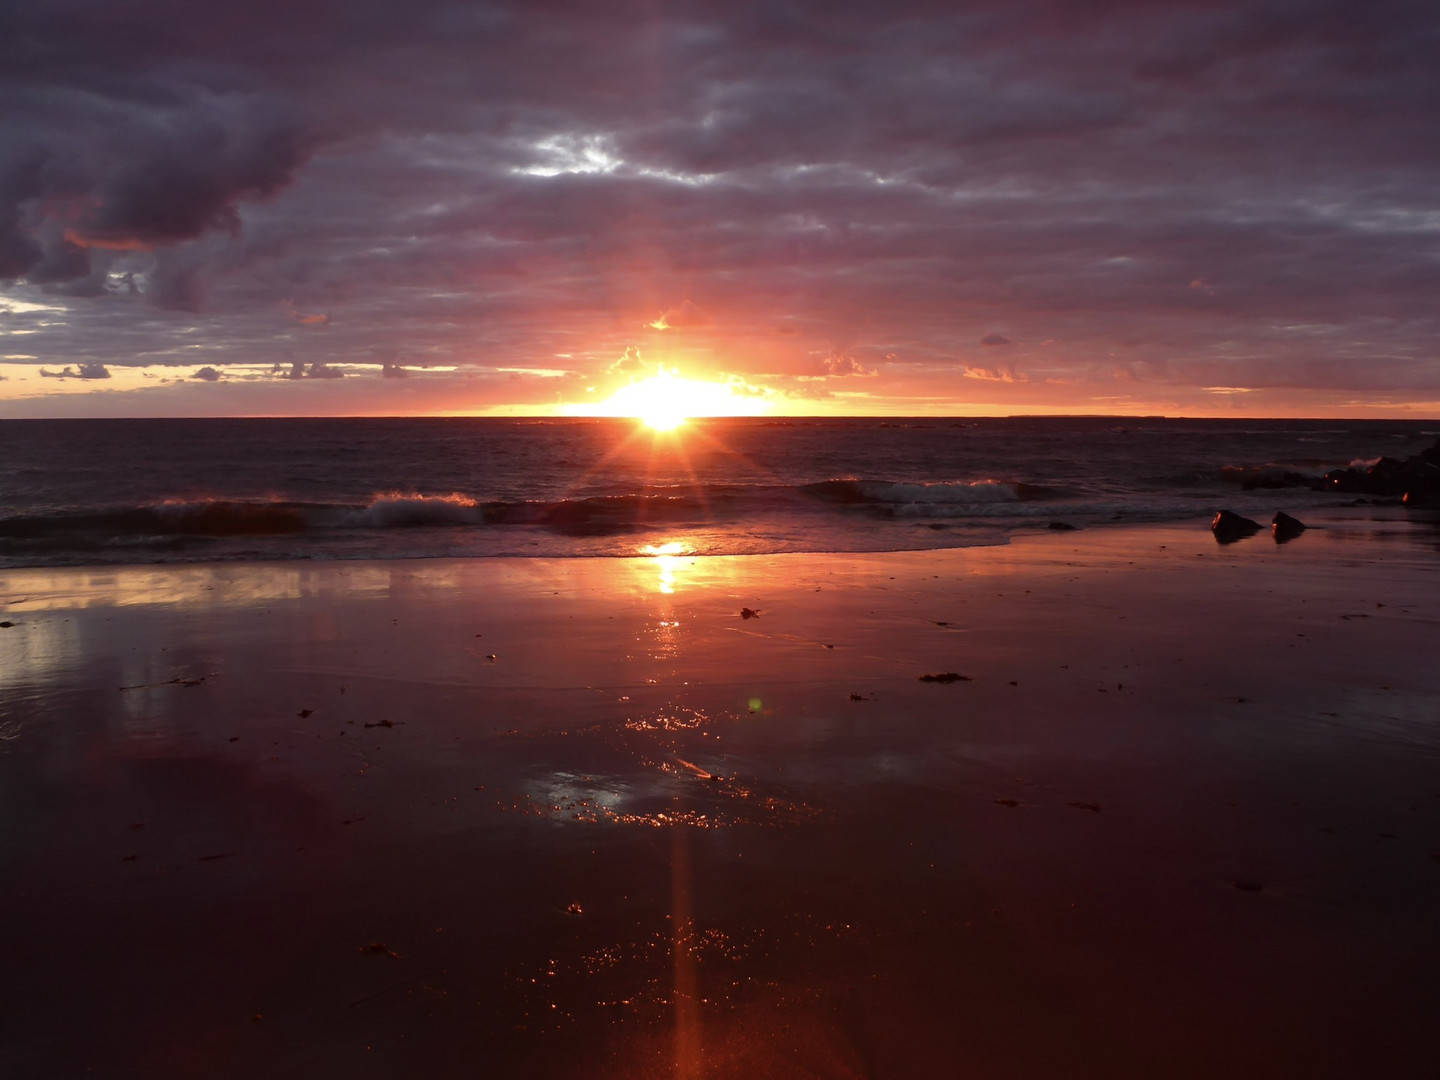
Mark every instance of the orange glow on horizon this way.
pixel 665 400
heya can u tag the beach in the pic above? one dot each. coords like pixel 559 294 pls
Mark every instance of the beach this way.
pixel 1165 807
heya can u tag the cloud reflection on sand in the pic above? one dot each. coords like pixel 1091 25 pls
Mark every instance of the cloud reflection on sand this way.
pixel 219 585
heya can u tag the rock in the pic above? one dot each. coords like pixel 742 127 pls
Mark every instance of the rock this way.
pixel 749 613
pixel 946 677
pixel 1286 528
pixel 1229 527
pixel 1418 476
pixel 1061 526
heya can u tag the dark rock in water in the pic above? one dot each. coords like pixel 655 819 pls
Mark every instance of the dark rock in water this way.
pixel 946 677
pixel 1229 527
pixel 1286 527
pixel 1061 526
pixel 1419 475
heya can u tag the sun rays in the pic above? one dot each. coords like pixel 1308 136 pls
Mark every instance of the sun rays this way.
pixel 666 460
pixel 665 400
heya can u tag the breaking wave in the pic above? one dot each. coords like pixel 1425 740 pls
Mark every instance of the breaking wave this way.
pixel 179 521
pixel 397 510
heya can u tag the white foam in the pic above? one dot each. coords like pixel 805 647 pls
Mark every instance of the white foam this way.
pixel 397 509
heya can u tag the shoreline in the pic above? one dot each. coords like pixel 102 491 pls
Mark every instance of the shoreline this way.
pixel 1179 815
pixel 979 531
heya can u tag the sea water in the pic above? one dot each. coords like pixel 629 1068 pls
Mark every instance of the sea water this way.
pixel 77 492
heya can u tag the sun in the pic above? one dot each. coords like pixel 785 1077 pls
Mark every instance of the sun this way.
pixel 664 401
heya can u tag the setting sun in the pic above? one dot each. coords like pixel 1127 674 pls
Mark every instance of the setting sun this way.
pixel 664 401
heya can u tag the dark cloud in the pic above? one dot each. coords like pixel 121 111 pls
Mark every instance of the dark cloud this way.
pixel 84 371
pixel 1179 189
pixel 125 175
pixel 177 283
pixel 207 374
pixel 298 369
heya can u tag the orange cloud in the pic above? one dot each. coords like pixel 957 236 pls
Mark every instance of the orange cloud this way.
pixel 839 364
pixel 129 243
pixel 317 319
pixel 684 317
pixel 999 373
pixel 629 364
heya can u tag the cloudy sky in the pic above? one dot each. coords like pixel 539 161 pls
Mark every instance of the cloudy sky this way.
pixel 832 206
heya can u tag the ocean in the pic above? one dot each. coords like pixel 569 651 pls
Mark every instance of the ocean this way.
pixel 101 492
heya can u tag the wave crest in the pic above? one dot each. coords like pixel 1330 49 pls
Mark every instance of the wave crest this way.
pixel 398 509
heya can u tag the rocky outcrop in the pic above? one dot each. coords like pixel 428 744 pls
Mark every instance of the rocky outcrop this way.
pixel 1416 478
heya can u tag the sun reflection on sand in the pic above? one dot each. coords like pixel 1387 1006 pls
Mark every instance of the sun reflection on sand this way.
pixel 686 979
pixel 670 561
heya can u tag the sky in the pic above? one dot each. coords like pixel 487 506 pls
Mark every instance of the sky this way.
pixel 370 207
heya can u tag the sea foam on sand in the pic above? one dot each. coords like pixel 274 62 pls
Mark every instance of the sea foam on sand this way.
pixel 579 817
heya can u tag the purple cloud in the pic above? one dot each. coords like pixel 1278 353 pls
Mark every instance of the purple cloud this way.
pixel 1196 194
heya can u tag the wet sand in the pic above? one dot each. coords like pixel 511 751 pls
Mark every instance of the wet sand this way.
pixel 519 818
